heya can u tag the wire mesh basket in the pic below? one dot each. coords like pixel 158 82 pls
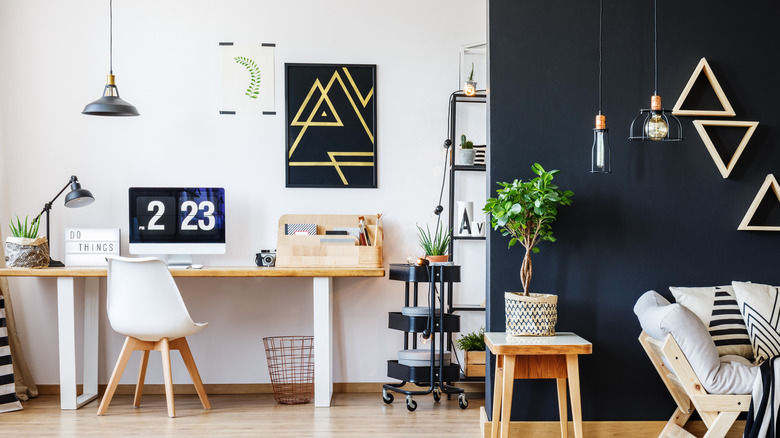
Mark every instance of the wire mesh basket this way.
pixel 291 365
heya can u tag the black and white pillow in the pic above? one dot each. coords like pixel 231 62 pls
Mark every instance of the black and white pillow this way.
pixel 717 307
pixel 8 400
pixel 760 306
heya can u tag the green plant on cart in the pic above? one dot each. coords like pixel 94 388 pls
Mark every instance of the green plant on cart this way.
pixel 434 243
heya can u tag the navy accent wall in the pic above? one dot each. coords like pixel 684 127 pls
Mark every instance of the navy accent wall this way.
pixel 665 216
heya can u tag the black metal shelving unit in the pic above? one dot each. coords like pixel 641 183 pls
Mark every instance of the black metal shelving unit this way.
pixel 437 378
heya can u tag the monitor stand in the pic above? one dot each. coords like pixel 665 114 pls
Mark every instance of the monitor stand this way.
pixel 179 261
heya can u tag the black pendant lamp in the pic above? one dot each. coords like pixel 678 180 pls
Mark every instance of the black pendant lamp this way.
pixel 600 152
pixel 656 123
pixel 110 104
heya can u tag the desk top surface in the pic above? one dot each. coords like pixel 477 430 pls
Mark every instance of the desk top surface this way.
pixel 206 271
pixel 561 343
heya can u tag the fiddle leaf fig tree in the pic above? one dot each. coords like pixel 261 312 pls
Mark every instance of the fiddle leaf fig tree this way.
pixel 525 211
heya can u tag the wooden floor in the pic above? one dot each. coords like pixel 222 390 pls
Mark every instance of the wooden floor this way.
pixel 352 415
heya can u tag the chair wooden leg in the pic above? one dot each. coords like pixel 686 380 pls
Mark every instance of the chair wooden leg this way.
pixel 675 423
pixel 119 368
pixel 722 424
pixel 139 386
pixel 186 355
pixel 166 364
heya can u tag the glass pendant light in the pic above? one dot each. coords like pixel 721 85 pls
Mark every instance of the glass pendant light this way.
pixel 656 123
pixel 110 104
pixel 600 152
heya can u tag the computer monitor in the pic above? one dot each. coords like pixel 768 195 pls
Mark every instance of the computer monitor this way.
pixel 177 221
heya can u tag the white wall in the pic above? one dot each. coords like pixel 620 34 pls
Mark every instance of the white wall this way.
pixel 54 57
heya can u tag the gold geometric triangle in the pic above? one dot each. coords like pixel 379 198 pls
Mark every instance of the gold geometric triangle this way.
pixel 725 170
pixel 769 181
pixel 727 111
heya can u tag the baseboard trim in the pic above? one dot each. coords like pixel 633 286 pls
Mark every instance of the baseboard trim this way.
pixel 471 388
pixel 601 429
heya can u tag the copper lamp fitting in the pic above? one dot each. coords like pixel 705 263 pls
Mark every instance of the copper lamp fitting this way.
pixel 601 122
pixel 655 103
pixel 110 80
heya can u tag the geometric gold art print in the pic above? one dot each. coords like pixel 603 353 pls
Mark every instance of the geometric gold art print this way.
pixel 331 125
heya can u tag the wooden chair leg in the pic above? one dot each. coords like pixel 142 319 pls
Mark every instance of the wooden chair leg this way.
pixel 186 355
pixel 722 424
pixel 139 386
pixel 675 423
pixel 166 364
pixel 119 368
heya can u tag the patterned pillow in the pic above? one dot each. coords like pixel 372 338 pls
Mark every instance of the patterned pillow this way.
pixel 717 307
pixel 761 311
pixel 8 399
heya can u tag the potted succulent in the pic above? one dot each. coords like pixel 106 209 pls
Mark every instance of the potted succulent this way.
pixel 25 249
pixel 434 244
pixel 473 347
pixel 524 211
pixel 465 156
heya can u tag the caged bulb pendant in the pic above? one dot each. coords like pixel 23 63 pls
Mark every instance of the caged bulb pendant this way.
pixel 656 123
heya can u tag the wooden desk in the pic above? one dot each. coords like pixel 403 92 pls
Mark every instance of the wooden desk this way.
pixel 530 357
pixel 66 315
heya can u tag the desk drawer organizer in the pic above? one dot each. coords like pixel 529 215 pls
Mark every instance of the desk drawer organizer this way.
pixel 321 250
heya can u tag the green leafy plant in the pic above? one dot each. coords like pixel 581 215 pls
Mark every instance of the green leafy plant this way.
pixel 471 75
pixel 24 230
pixel 466 144
pixel 254 72
pixel 525 211
pixel 434 244
pixel 474 341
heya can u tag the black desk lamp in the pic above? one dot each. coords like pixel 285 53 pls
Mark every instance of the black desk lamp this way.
pixel 77 197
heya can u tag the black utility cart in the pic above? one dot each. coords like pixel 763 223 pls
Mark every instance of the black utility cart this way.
pixel 434 377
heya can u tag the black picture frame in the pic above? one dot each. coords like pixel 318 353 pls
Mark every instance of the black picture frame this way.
pixel 331 125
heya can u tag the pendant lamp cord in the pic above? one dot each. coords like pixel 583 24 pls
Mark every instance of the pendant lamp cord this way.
pixel 601 14
pixel 111 37
pixel 655 45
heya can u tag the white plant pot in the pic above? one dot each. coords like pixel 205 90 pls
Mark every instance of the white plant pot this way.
pixel 464 157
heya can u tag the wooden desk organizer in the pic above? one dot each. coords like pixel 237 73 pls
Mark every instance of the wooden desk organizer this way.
pixel 310 252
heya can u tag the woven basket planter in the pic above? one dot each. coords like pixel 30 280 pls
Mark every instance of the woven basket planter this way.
pixel 533 315
pixel 21 252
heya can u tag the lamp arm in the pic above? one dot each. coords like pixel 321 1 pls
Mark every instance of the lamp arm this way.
pixel 47 206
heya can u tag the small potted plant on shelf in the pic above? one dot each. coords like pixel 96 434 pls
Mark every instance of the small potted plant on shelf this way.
pixel 470 86
pixel 434 244
pixel 473 347
pixel 465 156
pixel 524 211
pixel 25 249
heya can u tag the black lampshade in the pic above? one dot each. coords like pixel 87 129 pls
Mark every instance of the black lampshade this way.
pixel 110 104
pixel 78 197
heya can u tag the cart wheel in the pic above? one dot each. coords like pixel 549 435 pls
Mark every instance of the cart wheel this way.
pixel 462 402
pixel 411 405
pixel 437 394
pixel 387 397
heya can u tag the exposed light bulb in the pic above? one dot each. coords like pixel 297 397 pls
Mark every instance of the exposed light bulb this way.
pixel 600 150
pixel 656 127
pixel 425 340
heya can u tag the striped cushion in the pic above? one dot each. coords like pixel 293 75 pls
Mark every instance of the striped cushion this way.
pixel 8 399
pixel 760 306
pixel 717 307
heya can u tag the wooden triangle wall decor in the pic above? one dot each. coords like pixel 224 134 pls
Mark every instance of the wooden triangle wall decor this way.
pixel 745 225
pixel 727 110
pixel 725 169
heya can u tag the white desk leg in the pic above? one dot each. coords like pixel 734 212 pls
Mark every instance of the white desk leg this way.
pixel 91 330
pixel 323 341
pixel 66 321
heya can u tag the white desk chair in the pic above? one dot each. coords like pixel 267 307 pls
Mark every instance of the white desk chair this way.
pixel 145 305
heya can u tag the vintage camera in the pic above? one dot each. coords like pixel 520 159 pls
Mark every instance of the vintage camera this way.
pixel 266 257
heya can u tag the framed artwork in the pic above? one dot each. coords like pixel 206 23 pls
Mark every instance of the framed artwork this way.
pixel 331 125
pixel 247 78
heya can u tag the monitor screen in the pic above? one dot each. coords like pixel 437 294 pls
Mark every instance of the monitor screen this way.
pixel 177 220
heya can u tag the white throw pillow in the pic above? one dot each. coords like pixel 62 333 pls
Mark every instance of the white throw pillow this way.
pixel 760 307
pixel 717 307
